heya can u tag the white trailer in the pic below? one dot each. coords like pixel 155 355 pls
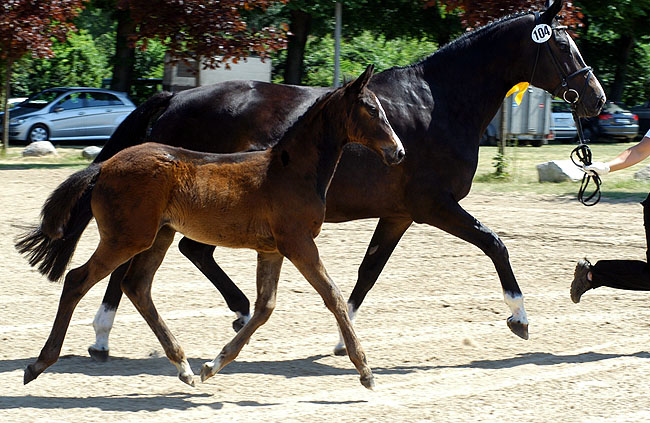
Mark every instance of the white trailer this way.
pixel 526 123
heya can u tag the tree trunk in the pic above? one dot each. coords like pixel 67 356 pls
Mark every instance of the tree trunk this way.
pixel 123 66
pixel 299 27
pixel 625 47
pixel 5 106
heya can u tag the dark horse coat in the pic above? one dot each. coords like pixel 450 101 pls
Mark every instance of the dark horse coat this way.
pixel 439 107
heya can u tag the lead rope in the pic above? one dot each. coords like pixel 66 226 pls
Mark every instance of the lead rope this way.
pixel 583 154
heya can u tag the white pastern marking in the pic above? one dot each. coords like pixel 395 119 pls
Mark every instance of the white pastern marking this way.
pixel 103 324
pixel 184 368
pixel 372 250
pixel 516 304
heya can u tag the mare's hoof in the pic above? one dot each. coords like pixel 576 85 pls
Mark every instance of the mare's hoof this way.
pixel 518 328
pixel 207 371
pixel 30 374
pixel 238 324
pixel 368 382
pixel 340 350
pixel 189 379
pixel 101 356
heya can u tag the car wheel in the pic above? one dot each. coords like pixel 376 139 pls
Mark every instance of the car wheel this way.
pixel 38 132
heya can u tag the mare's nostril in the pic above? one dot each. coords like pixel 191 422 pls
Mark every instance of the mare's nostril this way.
pixel 400 155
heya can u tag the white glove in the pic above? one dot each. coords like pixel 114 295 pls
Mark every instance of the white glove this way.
pixel 597 168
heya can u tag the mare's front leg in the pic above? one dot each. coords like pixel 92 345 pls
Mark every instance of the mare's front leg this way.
pixel 201 255
pixel 105 316
pixel 136 284
pixel 268 274
pixel 445 213
pixel 77 283
pixel 387 234
pixel 304 255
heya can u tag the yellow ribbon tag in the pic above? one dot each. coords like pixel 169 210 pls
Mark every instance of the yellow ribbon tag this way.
pixel 520 89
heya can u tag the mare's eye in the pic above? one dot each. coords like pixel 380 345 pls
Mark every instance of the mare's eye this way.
pixel 372 110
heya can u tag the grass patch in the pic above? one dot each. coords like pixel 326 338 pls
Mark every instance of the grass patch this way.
pixel 67 156
pixel 522 162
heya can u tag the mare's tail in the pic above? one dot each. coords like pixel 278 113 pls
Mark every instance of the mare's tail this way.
pixel 64 217
pixel 133 129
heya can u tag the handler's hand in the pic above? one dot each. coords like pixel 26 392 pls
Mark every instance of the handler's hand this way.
pixel 598 168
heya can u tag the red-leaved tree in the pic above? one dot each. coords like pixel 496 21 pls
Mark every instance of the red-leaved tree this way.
pixel 28 26
pixel 476 13
pixel 210 30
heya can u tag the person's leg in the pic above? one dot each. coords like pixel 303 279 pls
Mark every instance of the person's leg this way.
pixel 619 274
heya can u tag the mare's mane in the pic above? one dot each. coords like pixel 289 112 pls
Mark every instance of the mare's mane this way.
pixel 466 39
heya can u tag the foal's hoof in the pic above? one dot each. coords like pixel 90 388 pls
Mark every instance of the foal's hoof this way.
pixel 207 371
pixel 100 356
pixel 239 323
pixel 187 378
pixel 368 381
pixel 30 374
pixel 518 328
pixel 340 350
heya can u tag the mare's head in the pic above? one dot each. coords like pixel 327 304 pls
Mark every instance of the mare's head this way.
pixel 559 66
pixel 367 123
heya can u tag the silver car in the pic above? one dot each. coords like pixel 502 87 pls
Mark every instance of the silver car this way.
pixel 68 113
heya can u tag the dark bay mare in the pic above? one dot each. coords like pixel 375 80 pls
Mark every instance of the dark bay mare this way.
pixel 272 201
pixel 439 107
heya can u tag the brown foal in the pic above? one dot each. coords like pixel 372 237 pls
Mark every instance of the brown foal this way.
pixel 272 201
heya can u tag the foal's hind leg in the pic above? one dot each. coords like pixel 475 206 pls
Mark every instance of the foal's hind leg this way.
pixel 268 273
pixel 77 283
pixel 137 286
pixel 383 243
pixel 305 257
pixel 201 256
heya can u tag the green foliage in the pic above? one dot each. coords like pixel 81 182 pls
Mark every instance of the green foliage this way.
pixel 356 54
pixel 76 62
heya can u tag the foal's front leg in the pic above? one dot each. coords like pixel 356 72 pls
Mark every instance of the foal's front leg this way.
pixel 306 259
pixel 268 274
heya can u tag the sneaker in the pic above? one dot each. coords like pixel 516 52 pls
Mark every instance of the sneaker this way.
pixel 580 283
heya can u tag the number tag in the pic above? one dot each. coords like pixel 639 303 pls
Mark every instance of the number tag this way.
pixel 541 33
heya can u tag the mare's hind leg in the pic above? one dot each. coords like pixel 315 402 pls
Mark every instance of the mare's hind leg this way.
pixel 77 283
pixel 201 256
pixel 268 273
pixel 137 286
pixel 306 259
pixel 383 243
pixel 103 322
pixel 449 216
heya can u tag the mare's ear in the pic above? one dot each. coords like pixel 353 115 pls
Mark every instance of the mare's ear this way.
pixel 551 11
pixel 360 83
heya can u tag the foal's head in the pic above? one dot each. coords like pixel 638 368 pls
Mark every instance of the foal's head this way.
pixel 367 123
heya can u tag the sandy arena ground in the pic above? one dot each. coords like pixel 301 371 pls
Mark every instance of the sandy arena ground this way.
pixel 434 329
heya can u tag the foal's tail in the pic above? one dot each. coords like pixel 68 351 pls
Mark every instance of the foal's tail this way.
pixel 133 130
pixel 64 217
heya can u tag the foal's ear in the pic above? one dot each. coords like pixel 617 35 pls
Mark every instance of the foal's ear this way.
pixel 551 11
pixel 360 83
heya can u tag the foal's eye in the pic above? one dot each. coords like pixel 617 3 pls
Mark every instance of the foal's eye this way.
pixel 372 110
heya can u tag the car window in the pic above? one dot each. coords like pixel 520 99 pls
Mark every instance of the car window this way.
pixel 614 108
pixel 72 101
pixel 98 99
pixel 42 99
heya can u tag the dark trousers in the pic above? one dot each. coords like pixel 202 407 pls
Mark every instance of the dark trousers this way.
pixel 626 274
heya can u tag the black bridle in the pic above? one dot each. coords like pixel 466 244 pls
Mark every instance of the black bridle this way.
pixel 582 153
